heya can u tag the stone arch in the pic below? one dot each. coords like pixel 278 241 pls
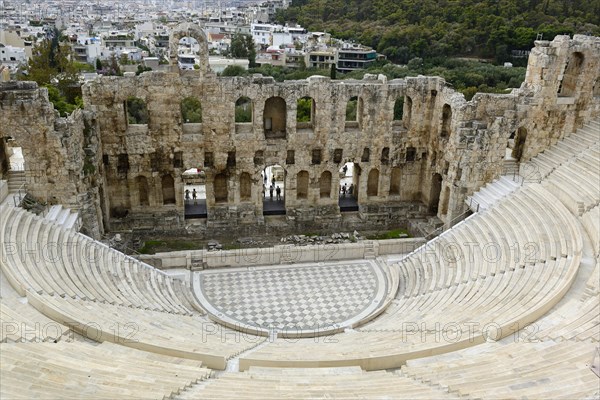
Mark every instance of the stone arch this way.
pixel 385 155
pixel 519 145
pixel 168 189
pixel 571 75
pixel 274 177
pixel 446 120
pixel 395 178
pixel 434 193
pixel 136 111
pixel 366 155
pixel 245 186
pixel 353 109
pixel 243 110
pixel 325 185
pixel 191 110
pixel 275 118
pixel 194 31
pixel 142 187
pixel 373 182
pixel 220 188
pixel 399 108
pixel 302 185
pixel 305 112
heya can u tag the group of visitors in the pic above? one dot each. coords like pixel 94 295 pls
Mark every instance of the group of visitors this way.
pixel 272 188
pixel 194 194
pixel 345 189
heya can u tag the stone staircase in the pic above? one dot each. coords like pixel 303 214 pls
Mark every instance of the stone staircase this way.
pixel 369 253
pixel 16 180
pixel 492 192
pixel 565 150
pixel 64 217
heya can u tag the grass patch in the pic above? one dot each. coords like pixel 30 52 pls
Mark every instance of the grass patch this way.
pixel 393 234
pixel 159 246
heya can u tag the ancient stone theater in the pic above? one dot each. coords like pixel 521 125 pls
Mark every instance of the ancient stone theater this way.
pixel 496 295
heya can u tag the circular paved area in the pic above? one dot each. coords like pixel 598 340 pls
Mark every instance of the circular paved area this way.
pixel 310 299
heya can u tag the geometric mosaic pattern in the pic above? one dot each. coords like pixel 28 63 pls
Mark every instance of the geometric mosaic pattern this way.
pixel 292 298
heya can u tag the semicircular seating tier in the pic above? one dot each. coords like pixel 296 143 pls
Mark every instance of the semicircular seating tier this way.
pixel 532 256
pixel 483 279
pixel 108 296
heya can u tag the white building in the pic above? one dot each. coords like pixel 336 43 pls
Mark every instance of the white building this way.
pixel 13 57
pixel 262 33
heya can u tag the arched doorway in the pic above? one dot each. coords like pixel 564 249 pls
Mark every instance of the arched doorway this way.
pixel 194 193
pixel 274 185
pixel 12 167
pixel 348 191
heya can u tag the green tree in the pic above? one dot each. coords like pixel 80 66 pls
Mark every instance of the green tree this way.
pixel 234 70
pixel 141 69
pixel 242 46
pixel 41 69
pixel 124 59
pixel 304 109
pixel 191 110
pixel 113 66
pixel 51 66
pixel 333 72
pixel 243 110
pixel 137 112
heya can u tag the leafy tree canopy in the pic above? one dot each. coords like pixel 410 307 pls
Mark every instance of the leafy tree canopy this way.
pixel 405 29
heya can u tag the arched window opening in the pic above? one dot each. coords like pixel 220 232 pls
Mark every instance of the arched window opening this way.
pixel 275 118
pixel 395 177
pixel 245 187
pixel 302 185
pixel 399 109
pixel 446 120
pixel 373 183
pixel 142 187
pixel 571 75
pixel 305 112
pixel 408 106
pixel 137 111
pixel 220 188
pixel 168 189
pixel 325 185
pixel 243 110
pixel 191 110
